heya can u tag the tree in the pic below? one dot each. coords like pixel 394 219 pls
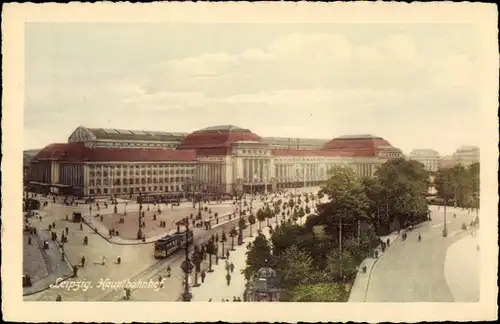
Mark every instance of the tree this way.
pixel 474 176
pixel 301 213
pixel 320 292
pixel 251 221
pixel 261 216
pixel 348 204
pixel 233 233
pixel 405 185
pixel 295 266
pixel 283 239
pixel 197 259
pixel 258 256
pixel 340 265
pixel 269 214
pixel 223 240
pixel 211 250
pixel 242 224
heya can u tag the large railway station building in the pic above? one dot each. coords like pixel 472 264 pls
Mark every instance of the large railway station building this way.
pixel 221 159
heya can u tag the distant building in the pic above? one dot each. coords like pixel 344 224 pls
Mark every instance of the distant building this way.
pixel 28 155
pixel 446 162
pixel 428 157
pixel 466 155
pixel 224 159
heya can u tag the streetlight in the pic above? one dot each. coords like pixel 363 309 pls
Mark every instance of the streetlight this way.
pixel 62 250
pixel 186 266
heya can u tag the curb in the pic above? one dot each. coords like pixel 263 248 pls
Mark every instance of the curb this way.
pixel 64 278
pixel 132 242
pixel 373 265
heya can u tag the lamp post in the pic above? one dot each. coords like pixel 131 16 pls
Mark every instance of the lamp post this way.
pixel 62 250
pixel 186 267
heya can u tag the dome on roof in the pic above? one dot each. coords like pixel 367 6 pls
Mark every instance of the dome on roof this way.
pixel 222 136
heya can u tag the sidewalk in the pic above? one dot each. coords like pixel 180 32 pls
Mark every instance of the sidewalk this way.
pixel 215 286
pixel 56 269
pixel 360 285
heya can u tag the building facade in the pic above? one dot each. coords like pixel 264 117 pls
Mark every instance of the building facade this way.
pixel 429 158
pixel 466 155
pixel 222 159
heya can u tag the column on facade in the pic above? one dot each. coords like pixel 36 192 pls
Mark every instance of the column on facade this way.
pixel 261 170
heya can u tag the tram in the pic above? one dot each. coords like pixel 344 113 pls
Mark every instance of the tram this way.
pixel 168 245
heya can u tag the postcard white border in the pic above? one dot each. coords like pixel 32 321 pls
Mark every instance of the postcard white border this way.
pixel 14 17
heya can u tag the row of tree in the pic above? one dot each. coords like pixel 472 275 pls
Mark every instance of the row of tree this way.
pixel 319 259
pixel 458 186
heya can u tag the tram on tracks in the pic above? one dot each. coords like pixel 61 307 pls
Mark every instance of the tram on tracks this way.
pixel 171 243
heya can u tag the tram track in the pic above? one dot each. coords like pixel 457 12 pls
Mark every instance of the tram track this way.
pixel 159 266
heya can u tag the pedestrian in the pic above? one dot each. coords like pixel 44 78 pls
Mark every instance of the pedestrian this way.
pixel 67 230
pixel 103 260
pixel 160 281
pixel 228 278
pixel 53 224
pixel 227 254
pixel 29 240
pixel 58 298
pixel 232 267
pixel 75 271
pixel 124 293
pixel 234 299
pixel 203 276
pixel 50 227
pixel 67 218
pixel 169 271
pixel 82 261
pixel 118 260
pixel 81 227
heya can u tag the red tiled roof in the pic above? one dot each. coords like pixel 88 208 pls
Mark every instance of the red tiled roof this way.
pixel 217 138
pixel 78 152
pixel 363 146
pixel 295 152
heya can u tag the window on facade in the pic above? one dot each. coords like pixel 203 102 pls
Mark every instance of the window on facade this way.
pixel 105 190
pixel 118 190
pixel 91 183
pixel 98 181
pixel 92 191
pixel 125 190
pixel 98 191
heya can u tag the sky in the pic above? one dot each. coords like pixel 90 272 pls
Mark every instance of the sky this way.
pixel 415 85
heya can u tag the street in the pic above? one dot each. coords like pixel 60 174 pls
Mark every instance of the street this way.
pixel 413 271
pixel 137 261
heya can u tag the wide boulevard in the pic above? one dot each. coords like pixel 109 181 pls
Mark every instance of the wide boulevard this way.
pixel 421 271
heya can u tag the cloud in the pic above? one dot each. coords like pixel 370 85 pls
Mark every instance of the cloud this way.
pixel 205 65
pixel 311 84
pixel 298 61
